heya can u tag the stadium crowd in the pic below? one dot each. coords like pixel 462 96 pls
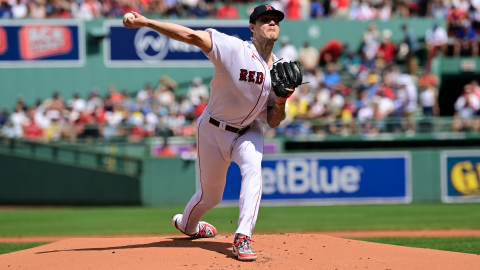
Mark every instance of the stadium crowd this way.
pixel 346 93
pixel 294 9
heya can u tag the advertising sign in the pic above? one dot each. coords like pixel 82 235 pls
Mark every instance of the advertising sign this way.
pixel 145 47
pixel 53 43
pixel 460 176
pixel 324 178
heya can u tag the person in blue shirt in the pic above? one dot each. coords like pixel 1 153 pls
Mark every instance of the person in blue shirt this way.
pixel 466 37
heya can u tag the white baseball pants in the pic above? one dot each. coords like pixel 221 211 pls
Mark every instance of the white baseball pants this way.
pixel 216 149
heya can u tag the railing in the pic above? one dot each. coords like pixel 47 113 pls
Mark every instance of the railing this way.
pixel 401 128
pixel 73 156
pixel 321 129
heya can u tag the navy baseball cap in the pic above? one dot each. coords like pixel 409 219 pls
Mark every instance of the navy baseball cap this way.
pixel 263 9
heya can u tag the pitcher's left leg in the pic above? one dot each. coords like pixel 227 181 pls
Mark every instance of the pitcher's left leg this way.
pixel 248 154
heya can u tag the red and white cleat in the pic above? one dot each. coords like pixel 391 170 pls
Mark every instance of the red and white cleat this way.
pixel 206 230
pixel 243 250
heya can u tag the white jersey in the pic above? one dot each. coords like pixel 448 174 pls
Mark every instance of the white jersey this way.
pixel 241 87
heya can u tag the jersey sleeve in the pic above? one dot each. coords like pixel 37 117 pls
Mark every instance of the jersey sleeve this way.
pixel 225 50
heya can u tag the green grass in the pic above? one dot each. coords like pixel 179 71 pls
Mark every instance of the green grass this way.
pixel 144 220
pixel 456 244
pixel 12 247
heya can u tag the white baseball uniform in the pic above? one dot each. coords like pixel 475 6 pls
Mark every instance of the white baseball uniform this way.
pixel 240 90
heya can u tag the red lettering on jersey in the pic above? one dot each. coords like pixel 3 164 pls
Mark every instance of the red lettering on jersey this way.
pixel 268 7
pixel 259 78
pixel 243 75
pixel 251 75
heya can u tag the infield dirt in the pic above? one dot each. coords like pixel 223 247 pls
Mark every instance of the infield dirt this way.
pixel 279 251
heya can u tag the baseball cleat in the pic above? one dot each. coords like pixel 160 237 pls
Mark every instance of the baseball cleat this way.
pixel 174 220
pixel 242 249
pixel 206 230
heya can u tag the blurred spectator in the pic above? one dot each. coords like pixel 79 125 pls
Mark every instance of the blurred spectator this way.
pixel 197 90
pixel 308 56
pixel 331 77
pixel 200 107
pixel 436 39
pixel 36 9
pixel 4 115
pixel 386 50
pixel 94 101
pixel 339 8
pixel 19 9
pixel 77 104
pixel 455 18
pixel 18 119
pixel 362 11
pixel 428 100
pixel 293 10
pixel 227 11
pixel 287 52
pixel 5 10
pixel 278 5
pixel 316 9
pixel 115 96
pixel 371 41
pixel 146 95
pixel 31 130
pixel 411 41
pixel 466 106
pixel 437 9
pixel 385 10
pixel 466 38
pixel 331 51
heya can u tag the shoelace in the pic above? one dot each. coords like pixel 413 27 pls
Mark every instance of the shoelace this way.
pixel 202 230
pixel 241 240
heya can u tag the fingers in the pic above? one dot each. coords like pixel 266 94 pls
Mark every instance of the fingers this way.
pixel 136 14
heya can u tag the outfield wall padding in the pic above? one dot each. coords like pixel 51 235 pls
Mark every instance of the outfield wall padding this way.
pixel 33 181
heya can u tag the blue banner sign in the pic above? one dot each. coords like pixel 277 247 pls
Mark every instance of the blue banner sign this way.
pixel 145 47
pixel 54 43
pixel 460 176
pixel 346 178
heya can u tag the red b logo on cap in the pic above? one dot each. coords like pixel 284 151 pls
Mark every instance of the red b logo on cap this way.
pixel 268 7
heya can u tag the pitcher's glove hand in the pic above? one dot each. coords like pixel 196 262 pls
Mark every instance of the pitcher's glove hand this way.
pixel 285 75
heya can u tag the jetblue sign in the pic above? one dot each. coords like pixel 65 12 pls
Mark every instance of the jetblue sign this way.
pixel 460 176
pixel 329 179
pixel 144 47
pixel 52 43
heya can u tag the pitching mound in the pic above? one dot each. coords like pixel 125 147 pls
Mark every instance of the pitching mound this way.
pixel 279 251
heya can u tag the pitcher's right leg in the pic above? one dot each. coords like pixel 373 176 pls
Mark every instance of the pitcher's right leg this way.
pixel 212 173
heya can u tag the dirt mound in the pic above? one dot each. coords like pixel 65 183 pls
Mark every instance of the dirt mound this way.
pixel 279 251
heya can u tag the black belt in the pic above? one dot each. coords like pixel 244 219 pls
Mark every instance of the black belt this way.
pixel 229 128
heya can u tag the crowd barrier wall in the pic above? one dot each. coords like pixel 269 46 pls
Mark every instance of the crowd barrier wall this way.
pixel 448 175
pixel 31 75
pixel 36 181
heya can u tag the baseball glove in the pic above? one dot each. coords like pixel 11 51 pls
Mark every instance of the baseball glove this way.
pixel 284 75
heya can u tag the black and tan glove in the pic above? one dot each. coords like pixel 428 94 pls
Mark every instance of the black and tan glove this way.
pixel 286 75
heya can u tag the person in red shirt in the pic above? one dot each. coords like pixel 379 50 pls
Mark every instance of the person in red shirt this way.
pixel 293 10
pixel 200 107
pixel 31 131
pixel 386 50
pixel 331 51
pixel 227 11
pixel 455 18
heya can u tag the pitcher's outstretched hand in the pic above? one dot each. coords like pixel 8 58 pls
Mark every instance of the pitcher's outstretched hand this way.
pixel 138 21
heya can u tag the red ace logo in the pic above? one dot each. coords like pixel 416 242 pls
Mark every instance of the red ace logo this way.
pixel 268 7
pixel 3 41
pixel 38 41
